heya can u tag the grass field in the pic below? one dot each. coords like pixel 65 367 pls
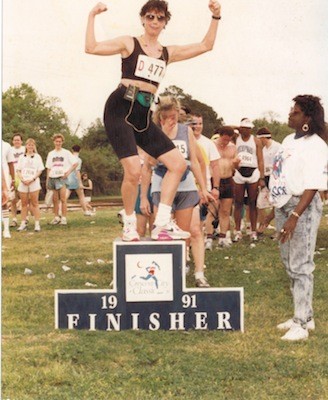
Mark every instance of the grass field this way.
pixel 41 363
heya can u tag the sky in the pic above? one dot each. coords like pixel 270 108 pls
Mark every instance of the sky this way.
pixel 266 53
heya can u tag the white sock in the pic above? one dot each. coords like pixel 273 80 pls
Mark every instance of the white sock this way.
pixel 37 224
pixel 5 220
pixel 163 215
pixel 199 275
pixel 130 219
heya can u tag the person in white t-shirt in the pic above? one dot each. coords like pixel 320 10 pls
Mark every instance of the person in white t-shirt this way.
pixel 29 168
pixel 17 149
pixel 270 149
pixel 299 172
pixel 60 163
pixel 9 177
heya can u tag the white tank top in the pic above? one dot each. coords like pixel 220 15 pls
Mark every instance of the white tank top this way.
pixel 247 152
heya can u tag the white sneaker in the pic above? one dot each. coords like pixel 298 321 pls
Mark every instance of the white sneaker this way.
pixel 37 228
pixel 290 322
pixel 6 235
pixel 224 243
pixel 238 236
pixel 130 234
pixel 296 332
pixel 22 227
pixel 253 237
pixel 63 221
pixel 55 221
pixel 202 283
pixel 170 231
pixel 208 244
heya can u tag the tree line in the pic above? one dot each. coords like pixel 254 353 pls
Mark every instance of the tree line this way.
pixel 31 114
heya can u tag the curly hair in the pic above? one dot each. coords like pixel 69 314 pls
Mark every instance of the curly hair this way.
pixel 156 5
pixel 311 107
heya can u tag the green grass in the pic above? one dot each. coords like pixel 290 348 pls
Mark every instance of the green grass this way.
pixel 40 363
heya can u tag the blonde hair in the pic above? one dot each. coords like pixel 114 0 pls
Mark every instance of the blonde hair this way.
pixel 58 136
pixel 30 140
pixel 166 103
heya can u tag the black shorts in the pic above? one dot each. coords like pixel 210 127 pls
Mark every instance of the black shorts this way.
pixel 226 188
pixel 123 136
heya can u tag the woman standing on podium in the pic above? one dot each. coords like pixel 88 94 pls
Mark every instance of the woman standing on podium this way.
pixel 127 115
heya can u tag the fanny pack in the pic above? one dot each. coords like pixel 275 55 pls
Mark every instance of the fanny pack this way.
pixel 160 170
pixel 246 172
pixel 145 99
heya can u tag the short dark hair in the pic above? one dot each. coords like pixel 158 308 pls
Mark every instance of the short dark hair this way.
pixel 157 5
pixel 311 107
pixel 76 148
pixel 17 134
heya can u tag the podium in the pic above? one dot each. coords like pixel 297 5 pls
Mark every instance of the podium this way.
pixel 149 292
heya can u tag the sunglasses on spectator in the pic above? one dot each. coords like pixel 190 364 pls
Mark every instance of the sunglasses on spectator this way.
pixel 151 17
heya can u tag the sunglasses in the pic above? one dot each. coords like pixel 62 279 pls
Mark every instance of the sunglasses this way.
pixel 151 17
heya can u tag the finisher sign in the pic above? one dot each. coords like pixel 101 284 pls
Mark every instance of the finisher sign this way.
pixel 150 293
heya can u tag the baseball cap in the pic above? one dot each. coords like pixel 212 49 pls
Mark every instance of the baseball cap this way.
pixel 263 133
pixel 246 123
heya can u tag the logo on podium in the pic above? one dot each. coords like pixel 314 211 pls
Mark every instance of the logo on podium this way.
pixel 149 292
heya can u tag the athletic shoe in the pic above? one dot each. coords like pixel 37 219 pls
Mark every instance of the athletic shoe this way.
pixel 170 231
pixel 55 221
pixel 290 322
pixel 208 244
pixel 296 332
pixel 130 234
pixel 89 214
pixel 224 243
pixel 6 235
pixel 21 228
pixel 238 236
pixel 37 228
pixel 253 237
pixel 13 224
pixel 202 283
pixel 63 221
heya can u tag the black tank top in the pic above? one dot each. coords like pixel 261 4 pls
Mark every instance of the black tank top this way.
pixel 129 63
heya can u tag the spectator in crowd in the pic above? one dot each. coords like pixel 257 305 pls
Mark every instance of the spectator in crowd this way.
pixel 87 187
pixel 187 197
pixel 228 162
pixel 128 114
pixel 270 148
pixel 9 176
pixel 211 156
pixel 29 168
pixel 299 172
pixel 249 176
pixel 17 149
pixel 74 182
pixel 60 163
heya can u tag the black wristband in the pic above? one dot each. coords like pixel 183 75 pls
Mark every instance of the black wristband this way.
pixel 214 17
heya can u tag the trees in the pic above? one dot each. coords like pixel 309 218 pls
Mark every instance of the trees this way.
pixel 210 117
pixel 25 111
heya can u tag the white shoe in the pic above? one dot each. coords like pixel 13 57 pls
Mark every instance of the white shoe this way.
pixel 6 235
pixel 55 221
pixel 238 236
pixel 22 227
pixel 130 233
pixel 37 228
pixel 253 237
pixel 202 283
pixel 290 322
pixel 296 332
pixel 224 243
pixel 63 221
pixel 170 231
pixel 208 244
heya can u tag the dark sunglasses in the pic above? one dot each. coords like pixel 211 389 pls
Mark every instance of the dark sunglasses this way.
pixel 151 17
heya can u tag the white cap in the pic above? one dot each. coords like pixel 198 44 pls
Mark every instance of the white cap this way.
pixel 246 123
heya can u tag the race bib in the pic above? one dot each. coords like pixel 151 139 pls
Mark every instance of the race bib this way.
pixel 149 68
pixel 57 172
pixel 246 159
pixel 28 173
pixel 181 145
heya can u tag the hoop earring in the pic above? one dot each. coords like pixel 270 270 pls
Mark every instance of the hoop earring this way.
pixel 305 127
